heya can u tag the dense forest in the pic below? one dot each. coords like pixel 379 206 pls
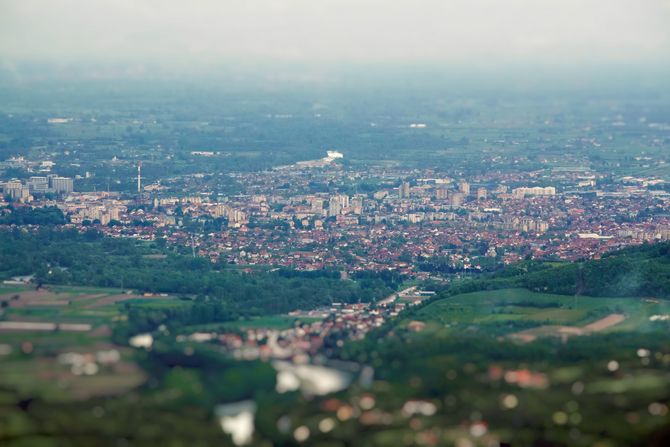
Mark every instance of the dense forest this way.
pixel 635 271
pixel 49 215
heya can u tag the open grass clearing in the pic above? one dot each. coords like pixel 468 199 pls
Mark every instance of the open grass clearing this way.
pixel 541 313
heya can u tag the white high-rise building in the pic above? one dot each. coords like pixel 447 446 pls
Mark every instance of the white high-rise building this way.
pixel 520 193
pixel 338 204
pixel 404 190
pixel 62 185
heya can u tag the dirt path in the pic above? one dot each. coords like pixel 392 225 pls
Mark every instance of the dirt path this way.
pixel 113 299
pixel 604 323
pixel 568 331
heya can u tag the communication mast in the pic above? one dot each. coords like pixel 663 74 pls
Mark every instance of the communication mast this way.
pixel 139 177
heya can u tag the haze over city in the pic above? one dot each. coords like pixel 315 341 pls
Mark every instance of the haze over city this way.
pixel 335 223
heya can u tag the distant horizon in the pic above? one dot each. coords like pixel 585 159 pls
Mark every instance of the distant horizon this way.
pixel 150 38
pixel 271 74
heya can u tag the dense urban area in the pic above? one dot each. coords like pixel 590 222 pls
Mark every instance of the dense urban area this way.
pixel 319 214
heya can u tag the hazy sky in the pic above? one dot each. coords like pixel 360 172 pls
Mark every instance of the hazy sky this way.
pixel 468 32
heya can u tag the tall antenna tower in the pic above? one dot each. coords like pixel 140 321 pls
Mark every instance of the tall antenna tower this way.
pixel 193 246
pixel 139 177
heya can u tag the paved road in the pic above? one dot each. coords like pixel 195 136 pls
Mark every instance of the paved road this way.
pixel 391 298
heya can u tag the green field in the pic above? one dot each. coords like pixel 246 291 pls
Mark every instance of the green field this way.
pixel 31 367
pixel 66 304
pixel 6 289
pixel 509 310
